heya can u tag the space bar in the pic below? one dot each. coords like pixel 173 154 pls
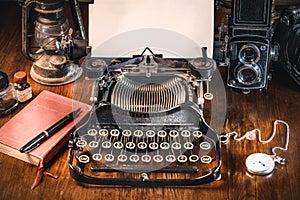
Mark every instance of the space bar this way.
pixel 142 168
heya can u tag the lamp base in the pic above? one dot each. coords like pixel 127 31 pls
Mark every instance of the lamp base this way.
pixel 54 70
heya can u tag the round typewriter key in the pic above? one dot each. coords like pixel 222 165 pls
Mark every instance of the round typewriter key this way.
pixel 93 144
pixel 205 145
pixel 206 159
pixel 150 133
pixel 170 158
pixel 122 158
pixel 208 96
pixel 185 133
pixel 81 143
pixel 193 158
pixel 134 158
pixel 182 158
pixel 138 133
pixel 162 133
pixel 146 158
pixel 114 132
pixel 153 146
pixel 126 133
pixel 97 157
pixel 173 133
pixel 118 145
pixel 142 145
pixel 188 146
pixel 103 132
pixel 130 145
pixel 176 145
pixel 106 144
pixel 84 158
pixel 164 145
pixel 109 157
pixel 158 158
pixel 197 134
pixel 92 132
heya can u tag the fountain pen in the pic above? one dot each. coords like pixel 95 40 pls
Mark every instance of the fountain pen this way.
pixel 35 142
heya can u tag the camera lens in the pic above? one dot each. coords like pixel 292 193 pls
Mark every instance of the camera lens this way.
pixel 249 54
pixel 248 74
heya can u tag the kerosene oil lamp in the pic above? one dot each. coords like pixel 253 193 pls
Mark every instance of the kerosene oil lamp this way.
pixel 54 58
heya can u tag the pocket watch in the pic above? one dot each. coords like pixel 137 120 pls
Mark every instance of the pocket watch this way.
pixel 260 164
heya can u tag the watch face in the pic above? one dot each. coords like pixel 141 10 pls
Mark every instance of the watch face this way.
pixel 260 164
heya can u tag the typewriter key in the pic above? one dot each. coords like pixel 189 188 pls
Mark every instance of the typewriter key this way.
pixel 185 133
pixel 118 145
pixel 182 158
pixel 206 159
pixel 208 96
pixel 164 145
pixel 158 158
pixel 134 158
pixel 142 145
pixel 153 146
pixel 93 144
pixel 150 133
pixel 122 158
pixel 103 132
pixel 106 144
pixel 176 145
pixel 162 133
pixel 126 133
pixel 170 158
pixel 205 145
pixel 138 133
pixel 188 146
pixel 193 158
pixel 173 133
pixel 84 158
pixel 197 134
pixel 114 132
pixel 146 158
pixel 97 157
pixel 81 143
pixel 130 145
pixel 92 132
pixel 109 157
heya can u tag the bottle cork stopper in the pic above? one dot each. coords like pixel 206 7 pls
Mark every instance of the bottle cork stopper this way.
pixel 20 77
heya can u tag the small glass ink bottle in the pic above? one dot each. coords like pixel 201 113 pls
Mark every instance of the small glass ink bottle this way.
pixel 23 89
pixel 8 98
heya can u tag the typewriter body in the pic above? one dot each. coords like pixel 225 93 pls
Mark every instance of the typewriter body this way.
pixel 146 127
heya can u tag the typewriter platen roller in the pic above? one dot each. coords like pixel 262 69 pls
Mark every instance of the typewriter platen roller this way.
pixel 145 127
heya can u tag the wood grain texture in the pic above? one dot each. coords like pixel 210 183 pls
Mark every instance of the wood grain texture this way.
pixel 244 112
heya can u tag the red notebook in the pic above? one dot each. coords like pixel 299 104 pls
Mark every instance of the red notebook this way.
pixel 42 112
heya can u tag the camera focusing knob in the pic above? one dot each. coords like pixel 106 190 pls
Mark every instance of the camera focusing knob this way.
pixel 274 52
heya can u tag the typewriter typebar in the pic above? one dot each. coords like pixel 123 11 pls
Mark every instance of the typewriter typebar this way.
pixel 145 128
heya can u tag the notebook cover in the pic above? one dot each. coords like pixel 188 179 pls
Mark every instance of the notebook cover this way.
pixel 42 112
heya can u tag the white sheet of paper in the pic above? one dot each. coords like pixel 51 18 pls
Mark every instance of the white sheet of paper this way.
pixel 172 27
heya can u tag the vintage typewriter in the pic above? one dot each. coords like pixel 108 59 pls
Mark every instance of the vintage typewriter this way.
pixel 146 126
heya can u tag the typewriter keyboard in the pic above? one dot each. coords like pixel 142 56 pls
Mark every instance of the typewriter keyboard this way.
pixel 170 149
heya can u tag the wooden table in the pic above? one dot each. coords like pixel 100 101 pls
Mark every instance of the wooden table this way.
pixel 244 112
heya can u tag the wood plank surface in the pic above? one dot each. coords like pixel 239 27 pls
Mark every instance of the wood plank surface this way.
pixel 258 109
